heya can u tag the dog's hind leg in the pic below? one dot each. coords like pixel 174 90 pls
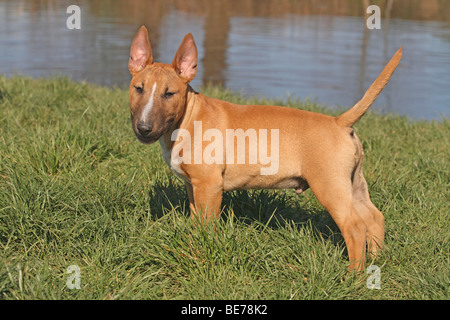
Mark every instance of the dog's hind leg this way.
pixel 337 198
pixel 372 217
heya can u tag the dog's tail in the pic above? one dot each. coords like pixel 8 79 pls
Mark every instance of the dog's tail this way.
pixel 350 117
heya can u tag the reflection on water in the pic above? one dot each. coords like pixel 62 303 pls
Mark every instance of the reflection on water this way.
pixel 306 49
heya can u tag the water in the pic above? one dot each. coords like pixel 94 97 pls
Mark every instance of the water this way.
pixel 321 51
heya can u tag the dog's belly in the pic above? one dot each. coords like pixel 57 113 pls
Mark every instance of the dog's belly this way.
pixel 238 180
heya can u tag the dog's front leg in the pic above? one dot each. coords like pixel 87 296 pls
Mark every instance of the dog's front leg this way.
pixel 205 197
pixel 190 193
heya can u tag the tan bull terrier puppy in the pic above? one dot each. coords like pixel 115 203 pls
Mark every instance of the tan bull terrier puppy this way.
pixel 203 140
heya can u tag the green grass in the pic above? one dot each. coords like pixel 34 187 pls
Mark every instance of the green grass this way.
pixel 77 188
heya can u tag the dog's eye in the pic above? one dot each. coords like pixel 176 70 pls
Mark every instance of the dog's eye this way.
pixel 168 94
pixel 138 89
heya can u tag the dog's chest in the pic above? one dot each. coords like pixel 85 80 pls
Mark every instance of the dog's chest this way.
pixel 167 156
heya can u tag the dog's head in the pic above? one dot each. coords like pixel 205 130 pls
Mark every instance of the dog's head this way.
pixel 158 91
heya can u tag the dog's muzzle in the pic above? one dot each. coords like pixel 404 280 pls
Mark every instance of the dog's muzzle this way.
pixel 144 129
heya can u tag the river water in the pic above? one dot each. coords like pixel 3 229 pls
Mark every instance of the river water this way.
pixel 320 50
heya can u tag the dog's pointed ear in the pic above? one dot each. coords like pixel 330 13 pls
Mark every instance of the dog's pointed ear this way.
pixel 185 61
pixel 140 52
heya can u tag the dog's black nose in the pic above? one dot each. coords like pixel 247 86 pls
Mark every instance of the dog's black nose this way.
pixel 144 128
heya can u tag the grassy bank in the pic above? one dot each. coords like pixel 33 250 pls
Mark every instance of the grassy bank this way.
pixel 76 188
